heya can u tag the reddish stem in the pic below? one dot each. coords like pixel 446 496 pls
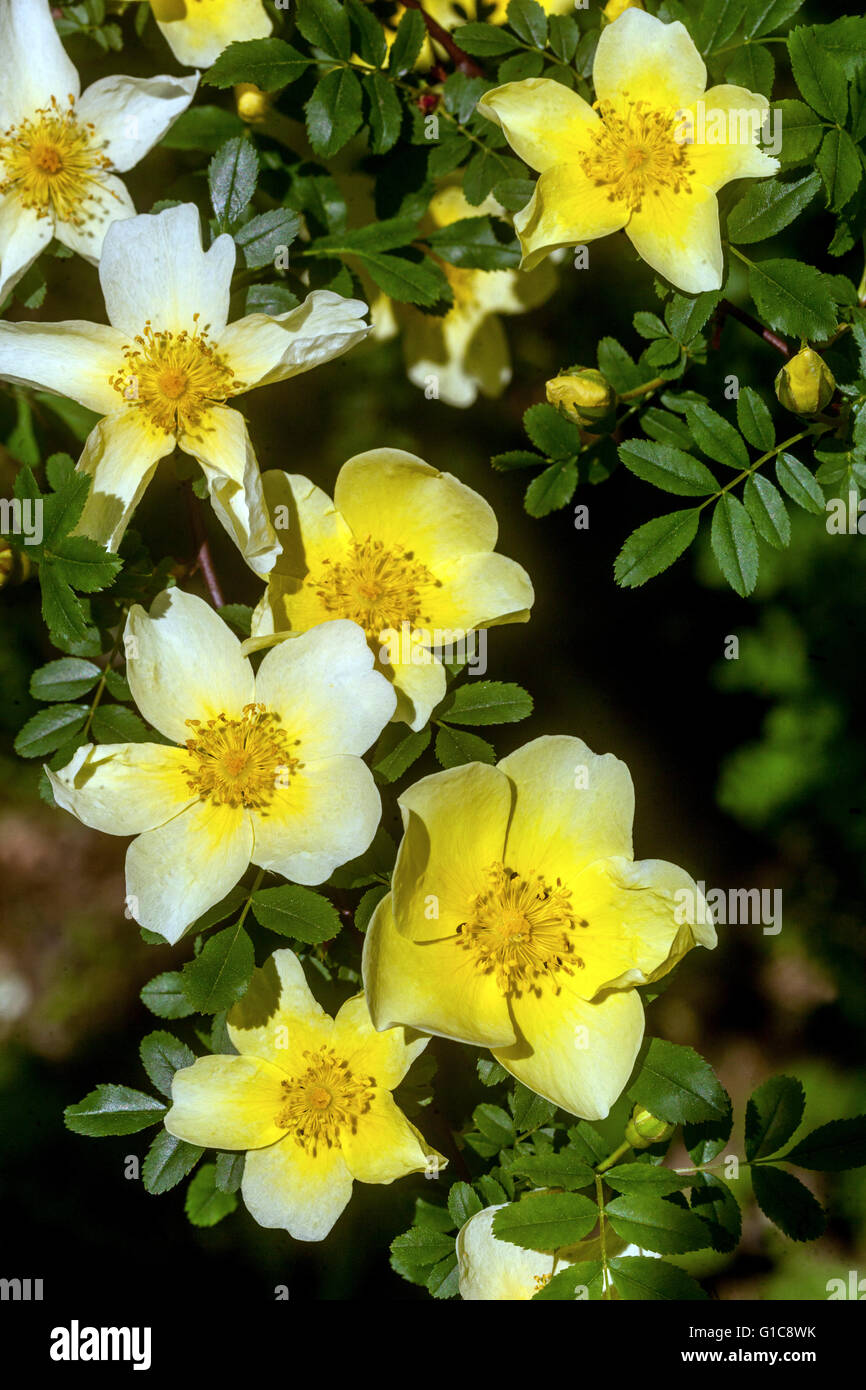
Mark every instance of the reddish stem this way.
pixel 203 559
pixel 726 309
pixel 460 59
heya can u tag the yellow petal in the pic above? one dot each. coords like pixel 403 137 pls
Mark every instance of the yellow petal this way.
pixel 278 1018
pixel 725 129
pixel 197 33
pixel 566 209
pixel 177 871
pixel 262 349
pixel 325 816
pixel 544 122
pixel 417 675
pixel 286 1187
pixel 678 235
pixel 481 591
pixel 307 523
pixel 385 1056
pixel 572 806
pixel 386 1146
pixel 578 1055
pixel 432 985
pixel 120 457
pixel 184 662
pixel 639 58
pixel 124 788
pixel 226 1103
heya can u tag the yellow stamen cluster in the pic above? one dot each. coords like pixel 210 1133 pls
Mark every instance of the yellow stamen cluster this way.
pixel 240 762
pixel 51 163
pixel 324 1101
pixel 521 931
pixel 175 378
pixel 636 151
pixel 376 587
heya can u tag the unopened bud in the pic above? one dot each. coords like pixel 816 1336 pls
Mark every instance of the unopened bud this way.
pixel 583 396
pixel 253 105
pixel 644 1129
pixel 14 565
pixel 614 8
pixel 805 384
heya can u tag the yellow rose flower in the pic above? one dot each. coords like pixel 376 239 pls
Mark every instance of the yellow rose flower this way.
pixel 492 1270
pixel 309 1099
pixel 266 768
pixel 650 159
pixel 197 31
pixel 519 921
pixel 404 551
pixel 160 375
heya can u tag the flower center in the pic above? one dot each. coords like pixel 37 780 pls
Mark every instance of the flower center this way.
pixel 240 762
pixel 637 151
pixel 324 1101
pixel 174 378
pixel 378 588
pixel 521 930
pixel 52 164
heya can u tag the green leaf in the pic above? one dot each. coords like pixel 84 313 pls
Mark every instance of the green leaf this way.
pixel 618 366
pixel 686 317
pixel 202 128
pixel 114 724
pixel 484 40
pixel 463 1202
pixel 267 299
pixel 83 563
pixel 113 1110
pixel 486 168
pixel 396 751
pixel 735 544
pixel 162 1054
pixel 221 972
pixel 267 63
pixel 262 237
pixel 654 546
pixel 667 467
pixel 205 1204
pixel 787 1203
pixel 368 904
pixel 370 35
pixel 833 1147
pixel 545 1221
pixel 646 1177
pixel 411 33
pixel 800 484
pixel 516 458
pixel 229 1171
pixel 168 1161
pixel 564 1285
pixel 63 509
pixel 164 996
pixel 819 76
pixel 840 168
pixel 443 1280
pixel 752 67
pixel 766 506
pixel 296 912
pixel 677 1085
pixel 564 1169
pixel 48 729
pixel 490 1073
pixel 529 1109
pixel 384 112
pixel 325 24
pixel 494 1123
pixel 766 207
pixel 528 21
pixel 755 420
pixel 774 1111
pixel 793 298
pixel 334 112
pixel 653 1223
pixel 486 702
pixel 454 747
pixel 514 194
pixel 638 1278
pixel 414 1254
pixel 716 436
pixel 64 613
pixel 714 1203
pixel 65 679
pixel 419 282
pixel 801 132
pixel 563 36
pixel 473 242
pixel 552 489
pixel 232 176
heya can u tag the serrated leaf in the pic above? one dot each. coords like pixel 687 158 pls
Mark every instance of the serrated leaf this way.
pixel 716 437
pixel 325 24
pixel 474 243
pixel 552 489
pixel 65 679
pixel 334 111
pixel 266 63
pixel 654 546
pixel 262 237
pixel 802 131
pixel 793 298
pixel 205 1203
pixel 484 40
pixel 463 1202
pixel 48 729
pixel 414 1253
pixel 167 1162
pixel 455 747
pixel 546 1221
pixel 162 1054
pixel 564 1169
pixel 735 544
pixel 115 724
pixel 833 1147
pixel 820 78
pixel 486 702
pixel 787 1203
pixel 646 1177
pixel 384 112
pixel 677 1085
pixel 840 167
pixel 297 912
pixel 800 484
pixel 755 420
pixel 668 467
pixel 232 176
pixel 768 206
pixel 653 1223
pixel 397 750
pixel 773 1113
pixel 113 1110
pixel 411 33
pixel 165 997
pixel 636 1277
pixel 221 972
pixel 766 506
pixel 753 68
pixel 229 1171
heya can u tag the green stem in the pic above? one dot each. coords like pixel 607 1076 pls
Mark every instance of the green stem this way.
pixel 645 389
pixel 98 692
pixel 259 876
pixel 602 1233
pixel 613 1158
pixel 771 453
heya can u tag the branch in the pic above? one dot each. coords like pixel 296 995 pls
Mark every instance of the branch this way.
pixel 461 60
pixel 726 309
pixel 203 559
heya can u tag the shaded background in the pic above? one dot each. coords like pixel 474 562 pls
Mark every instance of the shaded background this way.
pixel 750 773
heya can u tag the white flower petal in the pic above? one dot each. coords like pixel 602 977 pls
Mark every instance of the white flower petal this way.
pixel 225 452
pixel 184 662
pixel 111 203
pixel 23 236
pixel 153 268
pixel 123 788
pixel 262 349
pixel 33 63
pixel 285 1187
pixel 131 114
pixel 326 816
pixel 120 455
pixel 75 359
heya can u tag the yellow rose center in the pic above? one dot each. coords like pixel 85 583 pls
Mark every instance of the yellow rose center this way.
pixel 376 587
pixel 240 762
pixel 522 931
pixel 52 164
pixel 175 378
pixel 638 150
pixel 324 1101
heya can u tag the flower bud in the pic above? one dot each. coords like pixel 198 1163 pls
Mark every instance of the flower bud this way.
pixel 614 8
pixel 583 396
pixel 805 384
pixel 14 565
pixel 644 1129
pixel 253 105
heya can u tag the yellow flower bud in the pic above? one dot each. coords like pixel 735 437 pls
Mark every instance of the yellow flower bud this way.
pixel 644 1129
pixel 253 105
pixel 805 384
pixel 614 8
pixel 583 396
pixel 14 565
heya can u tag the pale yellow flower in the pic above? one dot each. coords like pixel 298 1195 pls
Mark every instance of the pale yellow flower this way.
pixel 263 768
pixel 309 1099
pixel 650 159
pixel 161 372
pixel 404 551
pixel 197 31
pixel 519 921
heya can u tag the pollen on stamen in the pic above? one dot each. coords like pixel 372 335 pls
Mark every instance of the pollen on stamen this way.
pixel 175 378
pixel 53 164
